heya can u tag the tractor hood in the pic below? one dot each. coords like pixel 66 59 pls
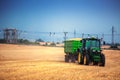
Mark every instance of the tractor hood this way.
pixel 95 49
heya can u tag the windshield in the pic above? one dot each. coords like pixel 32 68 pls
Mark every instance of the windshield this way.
pixel 92 43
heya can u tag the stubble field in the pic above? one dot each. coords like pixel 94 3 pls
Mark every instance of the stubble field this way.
pixel 20 62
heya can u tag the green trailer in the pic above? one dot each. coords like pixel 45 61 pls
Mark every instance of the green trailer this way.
pixel 71 48
pixel 72 45
pixel 84 51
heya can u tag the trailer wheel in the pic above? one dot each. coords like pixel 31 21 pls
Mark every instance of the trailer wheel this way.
pixel 73 58
pixel 66 58
pixel 86 59
pixel 102 60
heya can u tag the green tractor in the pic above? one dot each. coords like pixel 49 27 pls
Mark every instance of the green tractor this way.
pixel 84 51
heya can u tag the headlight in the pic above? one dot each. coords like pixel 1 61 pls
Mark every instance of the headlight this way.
pixel 98 51
pixel 93 50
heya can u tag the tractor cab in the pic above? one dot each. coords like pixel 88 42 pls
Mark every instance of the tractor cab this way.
pixel 91 45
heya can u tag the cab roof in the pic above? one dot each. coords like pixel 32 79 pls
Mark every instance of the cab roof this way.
pixel 92 38
pixel 74 39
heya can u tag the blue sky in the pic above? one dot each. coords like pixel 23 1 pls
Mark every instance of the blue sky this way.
pixel 86 16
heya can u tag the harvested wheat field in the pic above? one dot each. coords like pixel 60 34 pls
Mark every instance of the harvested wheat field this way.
pixel 20 62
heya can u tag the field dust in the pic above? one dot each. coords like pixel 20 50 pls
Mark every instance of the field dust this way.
pixel 20 62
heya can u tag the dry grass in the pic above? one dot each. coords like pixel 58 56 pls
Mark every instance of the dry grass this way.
pixel 22 52
pixel 20 62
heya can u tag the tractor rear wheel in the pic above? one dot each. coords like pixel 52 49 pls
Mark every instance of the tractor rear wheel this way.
pixel 102 60
pixel 86 59
pixel 80 58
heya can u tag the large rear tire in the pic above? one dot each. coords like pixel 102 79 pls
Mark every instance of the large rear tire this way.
pixel 80 58
pixel 86 59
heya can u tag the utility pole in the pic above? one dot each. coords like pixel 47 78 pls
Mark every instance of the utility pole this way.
pixel 113 35
pixel 102 40
pixel 74 33
pixel 103 37
pixel 97 36
pixel 88 35
pixel 53 37
pixel 82 35
pixel 65 34
pixel 50 34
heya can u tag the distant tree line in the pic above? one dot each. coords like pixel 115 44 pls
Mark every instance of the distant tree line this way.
pixel 26 41
pixel 39 40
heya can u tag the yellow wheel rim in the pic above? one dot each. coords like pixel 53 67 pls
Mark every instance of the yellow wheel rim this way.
pixel 79 57
pixel 84 59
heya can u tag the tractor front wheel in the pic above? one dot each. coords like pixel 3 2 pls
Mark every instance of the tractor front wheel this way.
pixel 86 59
pixel 102 60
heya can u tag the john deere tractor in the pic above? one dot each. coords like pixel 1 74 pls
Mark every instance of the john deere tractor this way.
pixel 85 51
